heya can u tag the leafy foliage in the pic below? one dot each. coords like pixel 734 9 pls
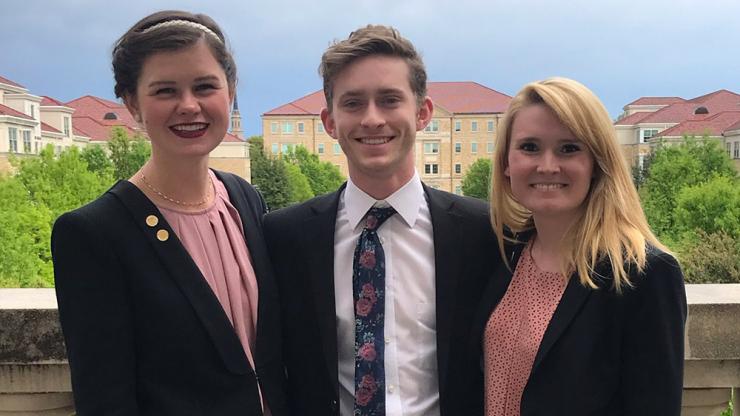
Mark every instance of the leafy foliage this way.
pixel 269 175
pixel 127 154
pixel 710 258
pixel 322 176
pixel 477 180
pixel 712 206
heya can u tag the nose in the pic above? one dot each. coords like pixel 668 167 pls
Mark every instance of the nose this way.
pixel 373 117
pixel 188 104
pixel 548 163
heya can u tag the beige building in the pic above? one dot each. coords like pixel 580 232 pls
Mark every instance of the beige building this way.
pixel 28 123
pixel 648 121
pixel 462 130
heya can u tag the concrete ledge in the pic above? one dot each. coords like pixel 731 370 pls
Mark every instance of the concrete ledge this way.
pixel 34 375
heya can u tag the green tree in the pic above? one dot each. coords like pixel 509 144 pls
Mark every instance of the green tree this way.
pixel 127 154
pixel 477 179
pixel 674 167
pixel 299 189
pixel 97 161
pixel 269 175
pixel 25 231
pixel 710 258
pixel 60 183
pixel 322 176
pixel 712 206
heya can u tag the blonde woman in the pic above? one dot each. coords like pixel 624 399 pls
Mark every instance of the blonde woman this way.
pixel 588 317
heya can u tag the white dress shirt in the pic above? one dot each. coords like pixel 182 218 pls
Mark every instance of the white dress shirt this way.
pixel 412 387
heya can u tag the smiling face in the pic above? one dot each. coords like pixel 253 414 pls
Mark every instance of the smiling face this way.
pixel 183 100
pixel 375 117
pixel 549 169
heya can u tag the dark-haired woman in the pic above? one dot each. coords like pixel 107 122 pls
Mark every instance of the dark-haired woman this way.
pixel 165 290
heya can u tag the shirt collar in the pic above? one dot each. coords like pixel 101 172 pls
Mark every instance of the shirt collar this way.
pixel 407 201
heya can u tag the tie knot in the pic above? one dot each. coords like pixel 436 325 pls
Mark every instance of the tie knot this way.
pixel 375 217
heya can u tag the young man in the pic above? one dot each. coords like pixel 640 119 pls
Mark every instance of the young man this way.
pixel 379 280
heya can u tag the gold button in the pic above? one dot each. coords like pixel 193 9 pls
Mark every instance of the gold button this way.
pixel 163 235
pixel 152 220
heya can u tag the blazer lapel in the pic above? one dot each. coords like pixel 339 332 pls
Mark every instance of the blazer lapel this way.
pixel 185 273
pixel 318 239
pixel 448 264
pixel 574 296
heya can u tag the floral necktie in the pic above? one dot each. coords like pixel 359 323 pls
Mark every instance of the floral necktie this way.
pixel 368 289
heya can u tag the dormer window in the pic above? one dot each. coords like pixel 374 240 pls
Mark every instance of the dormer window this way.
pixel 110 116
pixel 701 110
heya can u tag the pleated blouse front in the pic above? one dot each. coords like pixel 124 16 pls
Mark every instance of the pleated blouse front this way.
pixel 514 332
pixel 214 238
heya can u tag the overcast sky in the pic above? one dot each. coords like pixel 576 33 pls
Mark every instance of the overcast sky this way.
pixel 621 50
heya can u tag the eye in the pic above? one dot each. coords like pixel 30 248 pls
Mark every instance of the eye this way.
pixel 390 100
pixel 164 91
pixel 528 147
pixel 351 104
pixel 570 148
pixel 205 87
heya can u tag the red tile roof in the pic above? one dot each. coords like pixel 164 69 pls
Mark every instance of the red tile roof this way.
pixel 232 138
pixel 713 125
pixel 48 101
pixel 632 119
pixel 46 127
pixel 96 130
pixel 455 97
pixel 656 101
pixel 7 111
pixel 715 103
pixel 735 126
pixel 9 82
pixel 97 108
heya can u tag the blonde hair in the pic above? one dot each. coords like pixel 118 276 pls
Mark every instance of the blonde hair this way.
pixel 612 226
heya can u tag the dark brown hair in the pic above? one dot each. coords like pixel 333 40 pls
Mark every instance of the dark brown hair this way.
pixel 138 43
pixel 372 40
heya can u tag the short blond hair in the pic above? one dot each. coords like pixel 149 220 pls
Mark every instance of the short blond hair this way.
pixel 612 225
pixel 367 41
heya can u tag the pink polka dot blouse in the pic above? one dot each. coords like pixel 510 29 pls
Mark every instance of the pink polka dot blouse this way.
pixel 514 332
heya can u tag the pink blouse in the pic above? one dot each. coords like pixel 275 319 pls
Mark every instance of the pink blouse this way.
pixel 214 239
pixel 514 332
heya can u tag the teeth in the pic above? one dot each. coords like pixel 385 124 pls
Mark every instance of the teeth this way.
pixel 374 140
pixel 548 186
pixel 190 127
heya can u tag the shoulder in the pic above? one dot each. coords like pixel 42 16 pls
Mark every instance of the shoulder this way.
pixel 462 205
pixel 297 213
pixel 97 212
pixel 661 276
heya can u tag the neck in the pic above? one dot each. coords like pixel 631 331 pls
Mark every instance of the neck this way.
pixel 547 244
pixel 381 188
pixel 182 179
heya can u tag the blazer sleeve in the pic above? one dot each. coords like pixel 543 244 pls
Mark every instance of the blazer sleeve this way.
pixel 653 355
pixel 96 318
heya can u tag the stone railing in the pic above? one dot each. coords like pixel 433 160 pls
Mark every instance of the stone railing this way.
pixel 34 376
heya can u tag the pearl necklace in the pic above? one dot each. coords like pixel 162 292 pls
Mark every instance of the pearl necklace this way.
pixel 173 200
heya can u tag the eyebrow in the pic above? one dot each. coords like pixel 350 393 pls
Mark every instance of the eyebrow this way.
pixel 360 93
pixel 199 79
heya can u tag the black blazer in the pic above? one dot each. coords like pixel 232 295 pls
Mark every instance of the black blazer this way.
pixel 604 353
pixel 301 243
pixel 145 334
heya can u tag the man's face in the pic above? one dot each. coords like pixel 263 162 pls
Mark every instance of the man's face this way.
pixel 375 117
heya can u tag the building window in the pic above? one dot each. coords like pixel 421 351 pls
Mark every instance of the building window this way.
pixel 458 125
pixel 37 146
pixel 321 127
pixel 284 148
pixel 275 148
pixel 274 128
pixel 321 148
pixel 489 147
pixel 458 189
pixel 728 146
pixel 12 140
pixel 26 141
pixel 432 127
pixel 287 127
pixel 458 168
pixel 300 128
pixel 431 168
pixel 337 149
pixel 431 147
pixel 458 147
pixel 474 147
pixel 490 125
pixel 736 151
pixel 473 126
pixel 66 126
pixel 647 134
pixel 33 111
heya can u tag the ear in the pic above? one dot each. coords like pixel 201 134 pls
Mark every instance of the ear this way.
pixel 506 172
pixel 133 107
pixel 424 114
pixel 329 125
